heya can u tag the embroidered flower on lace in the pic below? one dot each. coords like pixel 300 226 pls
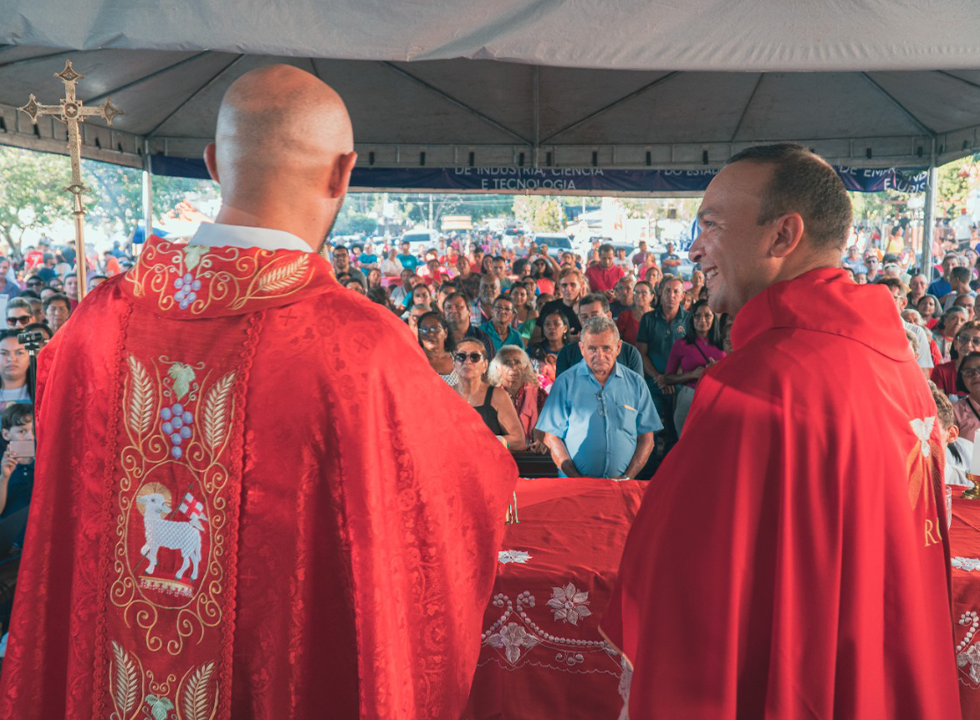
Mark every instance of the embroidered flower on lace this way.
pixel 971 657
pixel 569 604
pixel 513 556
pixel 512 638
pixel 965 563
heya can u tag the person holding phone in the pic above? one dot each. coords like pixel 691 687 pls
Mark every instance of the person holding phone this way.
pixel 16 471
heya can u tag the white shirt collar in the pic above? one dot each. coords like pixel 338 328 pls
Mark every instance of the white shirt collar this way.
pixel 218 235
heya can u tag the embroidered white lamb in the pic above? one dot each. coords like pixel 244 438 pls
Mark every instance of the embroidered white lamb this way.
pixel 169 534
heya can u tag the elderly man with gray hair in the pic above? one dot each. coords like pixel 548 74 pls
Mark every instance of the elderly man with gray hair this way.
pixel 599 418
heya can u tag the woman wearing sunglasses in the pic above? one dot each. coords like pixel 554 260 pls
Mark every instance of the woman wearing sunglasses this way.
pixel 493 404
pixel 967 340
pixel 438 346
pixel 967 410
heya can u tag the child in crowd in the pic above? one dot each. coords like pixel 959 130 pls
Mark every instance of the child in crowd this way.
pixel 958 450
pixel 16 474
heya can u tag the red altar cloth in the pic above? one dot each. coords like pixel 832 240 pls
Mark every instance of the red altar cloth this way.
pixel 541 651
pixel 964 542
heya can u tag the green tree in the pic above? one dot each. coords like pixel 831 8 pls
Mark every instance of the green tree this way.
pixel 354 223
pixel 32 193
pixel 542 213
pixel 954 186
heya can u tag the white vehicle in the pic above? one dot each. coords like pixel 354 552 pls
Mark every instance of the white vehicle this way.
pixel 556 242
pixel 421 240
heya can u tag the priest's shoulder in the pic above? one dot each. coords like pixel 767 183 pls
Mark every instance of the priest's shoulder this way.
pixel 366 327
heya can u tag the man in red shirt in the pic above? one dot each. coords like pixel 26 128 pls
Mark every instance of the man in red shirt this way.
pixel 604 275
pixel 800 569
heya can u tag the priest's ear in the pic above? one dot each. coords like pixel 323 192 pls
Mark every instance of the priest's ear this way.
pixel 788 235
pixel 339 177
pixel 952 433
pixel 211 162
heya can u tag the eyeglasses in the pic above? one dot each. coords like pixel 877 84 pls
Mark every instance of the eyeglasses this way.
pixel 473 357
pixel 602 404
pixel 969 340
pixel 971 372
pixel 19 320
pixel 430 330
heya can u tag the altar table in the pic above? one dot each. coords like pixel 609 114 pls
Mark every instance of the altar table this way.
pixel 541 652
pixel 964 540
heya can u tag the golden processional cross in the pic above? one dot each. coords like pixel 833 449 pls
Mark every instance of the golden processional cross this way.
pixel 71 111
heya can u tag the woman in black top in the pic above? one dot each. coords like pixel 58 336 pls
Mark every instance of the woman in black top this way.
pixel 493 405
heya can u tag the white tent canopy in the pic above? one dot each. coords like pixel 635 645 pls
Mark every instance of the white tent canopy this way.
pixel 634 84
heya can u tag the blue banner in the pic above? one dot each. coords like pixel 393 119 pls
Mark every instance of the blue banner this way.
pixel 560 180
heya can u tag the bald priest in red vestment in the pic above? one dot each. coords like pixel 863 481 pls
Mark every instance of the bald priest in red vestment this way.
pixel 254 499
pixel 800 568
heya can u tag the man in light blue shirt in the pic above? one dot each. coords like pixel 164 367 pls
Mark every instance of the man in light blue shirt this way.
pixel 599 418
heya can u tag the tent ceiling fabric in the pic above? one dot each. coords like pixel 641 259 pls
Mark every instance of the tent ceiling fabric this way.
pixel 565 84
pixel 704 35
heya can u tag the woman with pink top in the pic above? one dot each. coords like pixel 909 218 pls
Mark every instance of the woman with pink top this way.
pixel 700 347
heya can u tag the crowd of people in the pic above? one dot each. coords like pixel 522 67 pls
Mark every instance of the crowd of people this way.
pixel 531 303
pixel 503 324
pixel 41 290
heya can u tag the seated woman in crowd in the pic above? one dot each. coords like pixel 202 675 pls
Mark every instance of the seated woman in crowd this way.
pixel 543 276
pixel 653 275
pixel 629 322
pixel 700 347
pixel 697 284
pixel 524 312
pixel 493 405
pixel 947 328
pixel 421 296
pixel 930 309
pixel 390 266
pixel 967 340
pixel 433 332
pixel 512 371
pixel 967 410
pixel 554 330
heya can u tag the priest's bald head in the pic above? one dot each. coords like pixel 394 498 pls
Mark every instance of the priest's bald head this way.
pixel 283 153
pixel 773 213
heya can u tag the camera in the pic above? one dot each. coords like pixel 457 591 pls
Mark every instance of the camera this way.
pixel 33 340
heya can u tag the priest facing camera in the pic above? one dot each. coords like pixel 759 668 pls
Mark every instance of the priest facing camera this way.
pixel 785 563
pixel 256 509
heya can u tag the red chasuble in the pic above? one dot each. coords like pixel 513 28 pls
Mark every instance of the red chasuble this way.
pixel 790 558
pixel 254 499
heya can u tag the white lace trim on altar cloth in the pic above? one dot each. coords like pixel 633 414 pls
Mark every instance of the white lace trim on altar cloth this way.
pixel 967 652
pixel 513 556
pixel 965 563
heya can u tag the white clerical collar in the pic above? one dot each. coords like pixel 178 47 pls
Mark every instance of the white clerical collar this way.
pixel 218 235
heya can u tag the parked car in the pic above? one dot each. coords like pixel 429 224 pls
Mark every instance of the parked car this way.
pixel 556 242
pixel 421 240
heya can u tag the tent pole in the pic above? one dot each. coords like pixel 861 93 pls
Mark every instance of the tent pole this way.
pixel 929 214
pixel 147 194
